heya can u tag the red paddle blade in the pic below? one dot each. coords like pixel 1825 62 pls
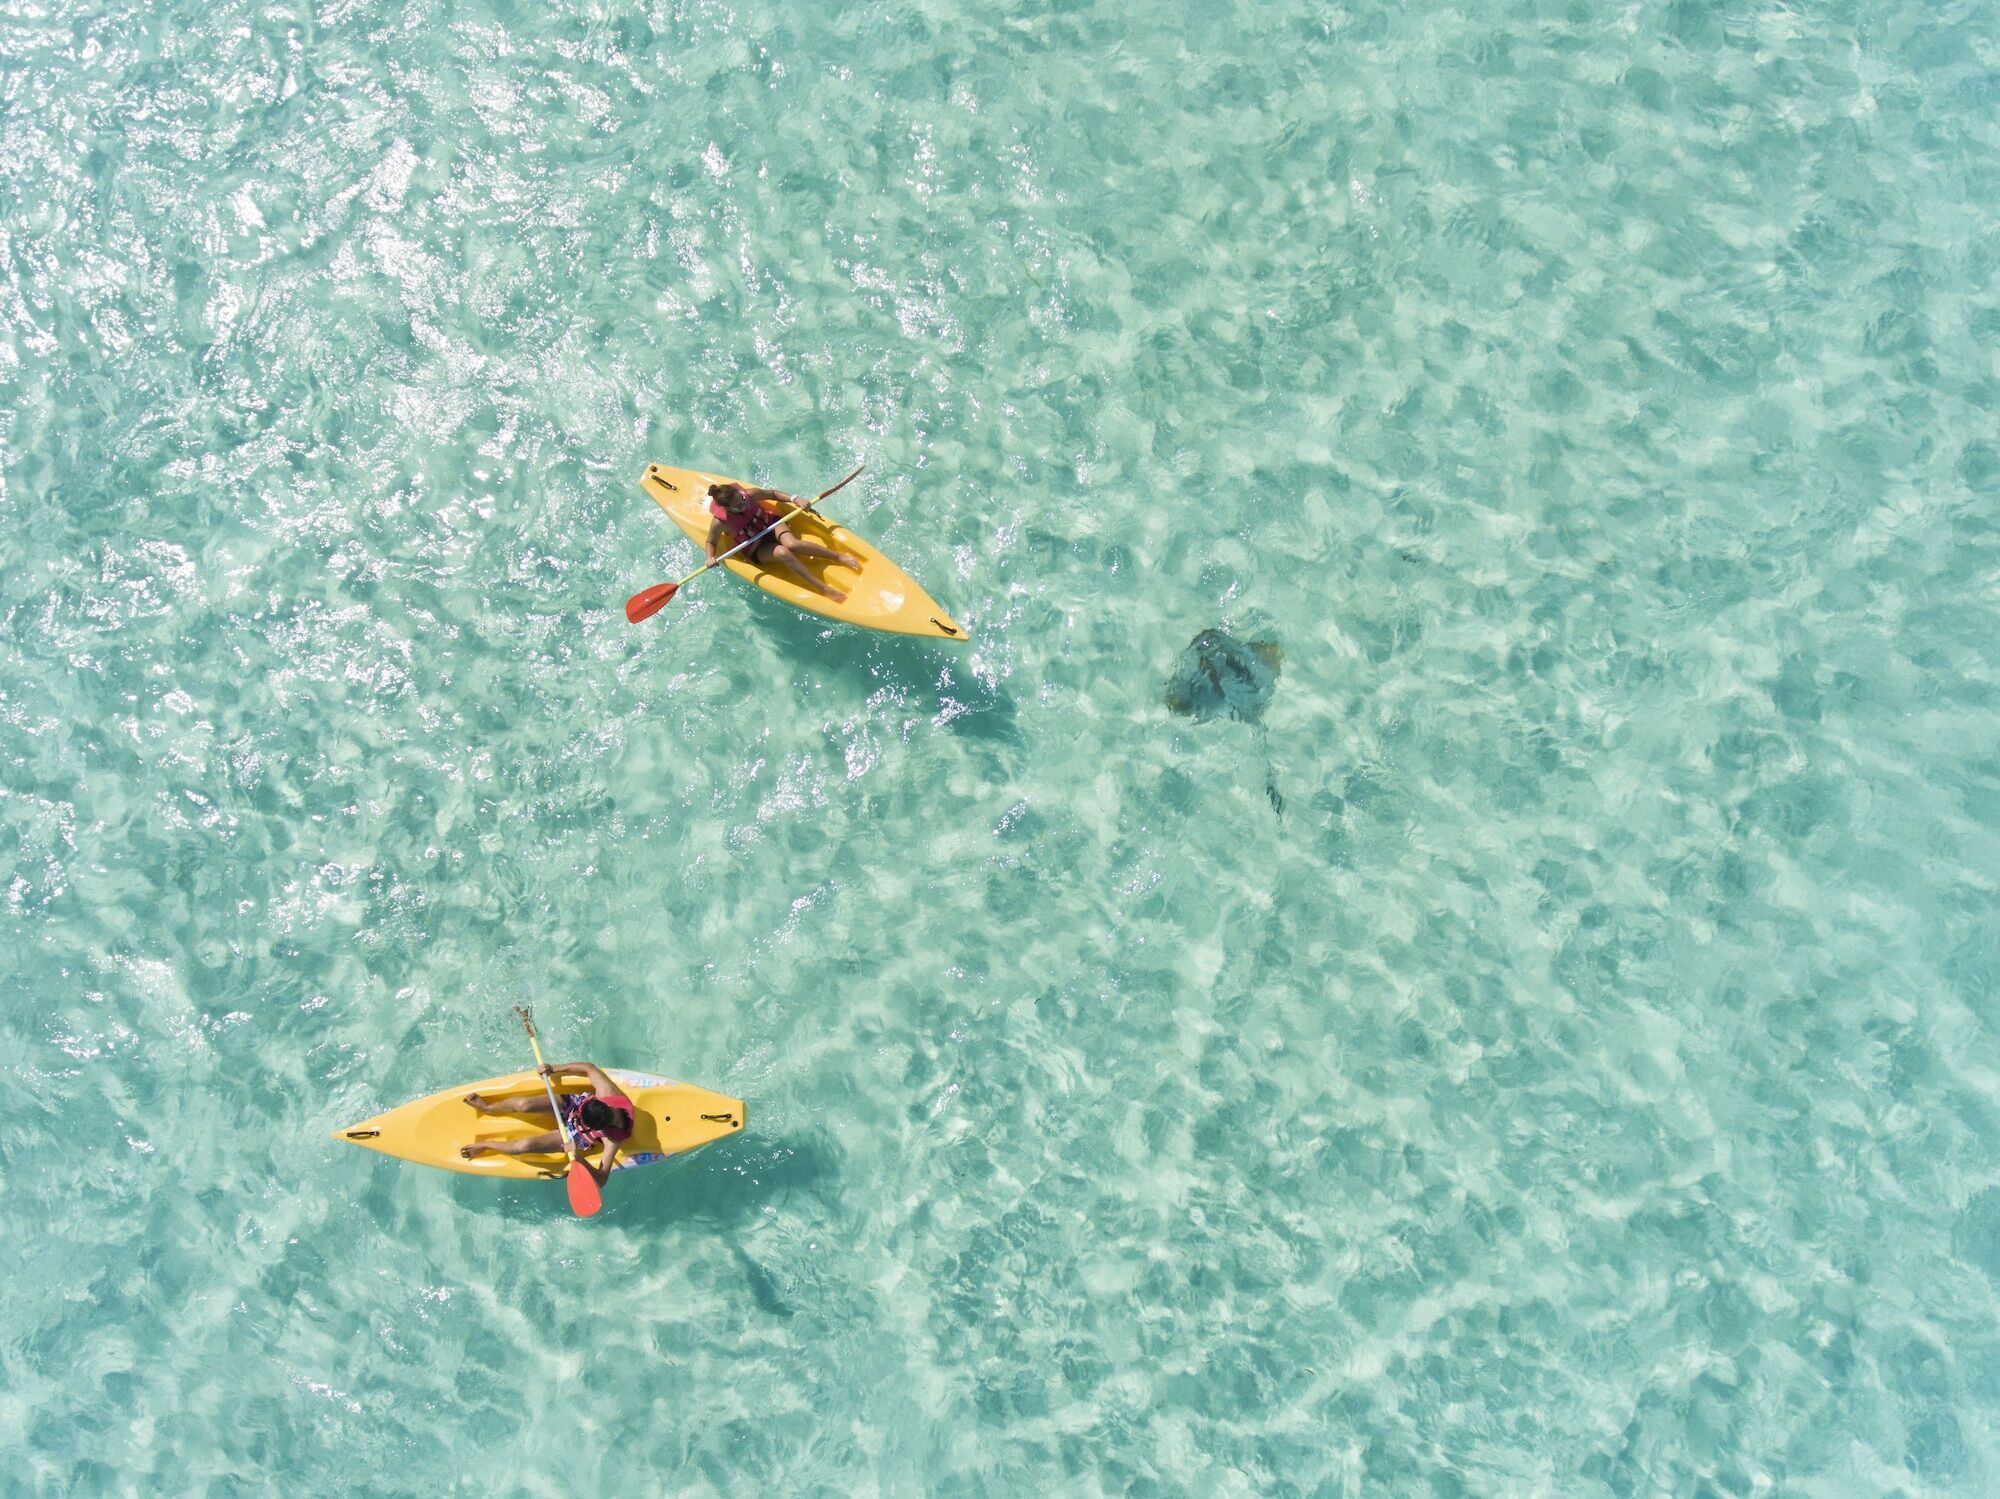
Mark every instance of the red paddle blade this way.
pixel 843 483
pixel 649 601
pixel 584 1197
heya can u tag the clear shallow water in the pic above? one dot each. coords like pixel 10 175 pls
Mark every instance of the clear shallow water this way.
pixel 1588 1087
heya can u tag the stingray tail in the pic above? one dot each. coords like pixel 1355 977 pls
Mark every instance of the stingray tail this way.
pixel 1270 774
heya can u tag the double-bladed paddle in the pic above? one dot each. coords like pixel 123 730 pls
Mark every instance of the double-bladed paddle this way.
pixel 585 1197
pixel 650 601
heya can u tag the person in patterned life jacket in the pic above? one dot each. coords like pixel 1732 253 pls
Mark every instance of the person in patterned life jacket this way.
pixel 741 513
pixel 603 1116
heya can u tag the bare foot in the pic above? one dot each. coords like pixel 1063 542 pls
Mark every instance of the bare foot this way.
pixel 469 1151
pixel 833 593
pixel 850 561
pixel 473 1100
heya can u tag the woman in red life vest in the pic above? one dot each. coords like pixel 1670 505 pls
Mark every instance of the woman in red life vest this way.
pixel 741 513
pixel 603 1116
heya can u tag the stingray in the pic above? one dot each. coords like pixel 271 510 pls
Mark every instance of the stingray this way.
pixel 1219 676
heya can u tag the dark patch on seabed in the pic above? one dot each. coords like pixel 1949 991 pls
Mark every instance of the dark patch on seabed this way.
pixel 1219 676
pixel 763 1285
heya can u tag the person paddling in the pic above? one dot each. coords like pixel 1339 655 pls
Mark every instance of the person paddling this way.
pixel 741 512
pixel 603 1116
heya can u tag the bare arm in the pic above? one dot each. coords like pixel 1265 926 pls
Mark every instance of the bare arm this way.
pixel 777 505
pixel 602 1171
pixel 601 1082
pixel 713 546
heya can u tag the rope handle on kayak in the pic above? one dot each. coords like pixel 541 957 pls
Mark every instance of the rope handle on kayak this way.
pixel 363 1134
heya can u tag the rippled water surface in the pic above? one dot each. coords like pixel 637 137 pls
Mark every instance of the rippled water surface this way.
pixel 1588 1085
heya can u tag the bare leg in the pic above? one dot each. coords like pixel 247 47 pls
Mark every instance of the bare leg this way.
pixel 548 1142
pixel 510 1103
pixel 781 556
pixel 813 549
pixel 790 540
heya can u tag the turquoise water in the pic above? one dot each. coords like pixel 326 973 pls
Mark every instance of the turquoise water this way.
pixel 1588 1086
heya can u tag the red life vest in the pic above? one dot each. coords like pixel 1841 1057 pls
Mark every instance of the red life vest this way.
pixel 741 524
pixel 585 1137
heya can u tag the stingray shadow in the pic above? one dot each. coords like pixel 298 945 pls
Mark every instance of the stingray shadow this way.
pixel 1219 677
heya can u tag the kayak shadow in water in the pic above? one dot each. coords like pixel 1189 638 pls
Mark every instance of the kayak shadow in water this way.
pixel 931 679
pixel 729 1184
pixel 1219 676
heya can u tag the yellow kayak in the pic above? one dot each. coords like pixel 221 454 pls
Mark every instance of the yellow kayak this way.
pixel 881 596
pixel 673 1119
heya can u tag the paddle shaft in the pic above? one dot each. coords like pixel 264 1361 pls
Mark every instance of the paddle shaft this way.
pixel 584 1197
pixel 549 1087
pixel 741 545
pixel 650 601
